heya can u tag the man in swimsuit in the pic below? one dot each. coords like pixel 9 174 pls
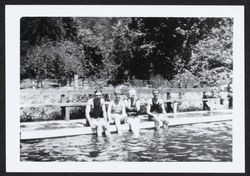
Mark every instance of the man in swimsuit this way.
pixel 96 114
pixel 132 108
pixel 117 111
pixel 205 105
pixel 156 110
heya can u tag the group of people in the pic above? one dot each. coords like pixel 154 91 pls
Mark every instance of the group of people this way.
pixel 121 111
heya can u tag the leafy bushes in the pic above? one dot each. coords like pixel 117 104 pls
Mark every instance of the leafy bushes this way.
pixel 40 114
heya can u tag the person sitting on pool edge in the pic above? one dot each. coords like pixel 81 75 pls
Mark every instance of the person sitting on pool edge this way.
pixel 117 111
pixel 132 108
pixel 156 110
pixel 96 114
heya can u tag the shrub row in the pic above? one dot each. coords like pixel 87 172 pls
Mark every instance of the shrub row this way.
pixel 31 114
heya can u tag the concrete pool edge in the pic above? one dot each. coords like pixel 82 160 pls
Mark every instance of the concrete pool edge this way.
pixel 81 130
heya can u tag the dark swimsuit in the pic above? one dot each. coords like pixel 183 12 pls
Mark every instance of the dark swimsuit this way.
pixel 132 111
pixel 155 108
pixel 96 110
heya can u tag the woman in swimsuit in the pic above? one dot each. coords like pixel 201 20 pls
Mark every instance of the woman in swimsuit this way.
pixel 117 111
pixel 132 108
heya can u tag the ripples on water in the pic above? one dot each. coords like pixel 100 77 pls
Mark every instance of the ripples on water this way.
pixel 197 142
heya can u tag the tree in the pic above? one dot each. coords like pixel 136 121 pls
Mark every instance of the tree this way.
pixel 42 39
pixel 211 59
pixel 125 48
pixel 95 35
pixel 164 45
pixel 37 30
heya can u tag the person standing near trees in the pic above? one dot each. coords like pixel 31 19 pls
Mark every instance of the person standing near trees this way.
pixel 205 105
pixel 132 108
pixel 117 111
pixel 96 114
pixel 156 110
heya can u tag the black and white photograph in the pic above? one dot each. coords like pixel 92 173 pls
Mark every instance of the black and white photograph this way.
pixel 146 89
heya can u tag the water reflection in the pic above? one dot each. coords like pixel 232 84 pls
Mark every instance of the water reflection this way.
pixel 198 142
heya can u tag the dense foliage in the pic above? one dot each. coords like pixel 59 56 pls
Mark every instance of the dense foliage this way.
pixel 176 50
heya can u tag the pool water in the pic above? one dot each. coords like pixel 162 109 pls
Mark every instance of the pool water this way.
pixel 197 142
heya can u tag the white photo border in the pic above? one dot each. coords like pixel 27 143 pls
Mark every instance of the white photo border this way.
pixel 12 27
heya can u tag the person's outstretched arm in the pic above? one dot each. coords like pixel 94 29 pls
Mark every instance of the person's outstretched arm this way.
pixel 104 109
pixel 123 109
pixel 109 112
pixel 87 111
pixel 148 109
pixel 163 107
pixel 138 105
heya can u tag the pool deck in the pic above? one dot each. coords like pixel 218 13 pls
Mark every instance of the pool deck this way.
pixel 62 128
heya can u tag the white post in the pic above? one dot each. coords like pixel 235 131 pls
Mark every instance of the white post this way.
pixel 33 85
pixel 211 105
pixel 76 81
pixel 175 104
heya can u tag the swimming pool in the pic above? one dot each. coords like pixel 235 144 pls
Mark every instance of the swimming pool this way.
pixel 196 142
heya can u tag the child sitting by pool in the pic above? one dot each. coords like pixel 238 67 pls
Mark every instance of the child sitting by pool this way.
pixel 156 110
pixel 117 111
pixel 132 108
pixel 96 114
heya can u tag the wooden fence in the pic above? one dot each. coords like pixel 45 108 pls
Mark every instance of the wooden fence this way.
pixel 66 107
